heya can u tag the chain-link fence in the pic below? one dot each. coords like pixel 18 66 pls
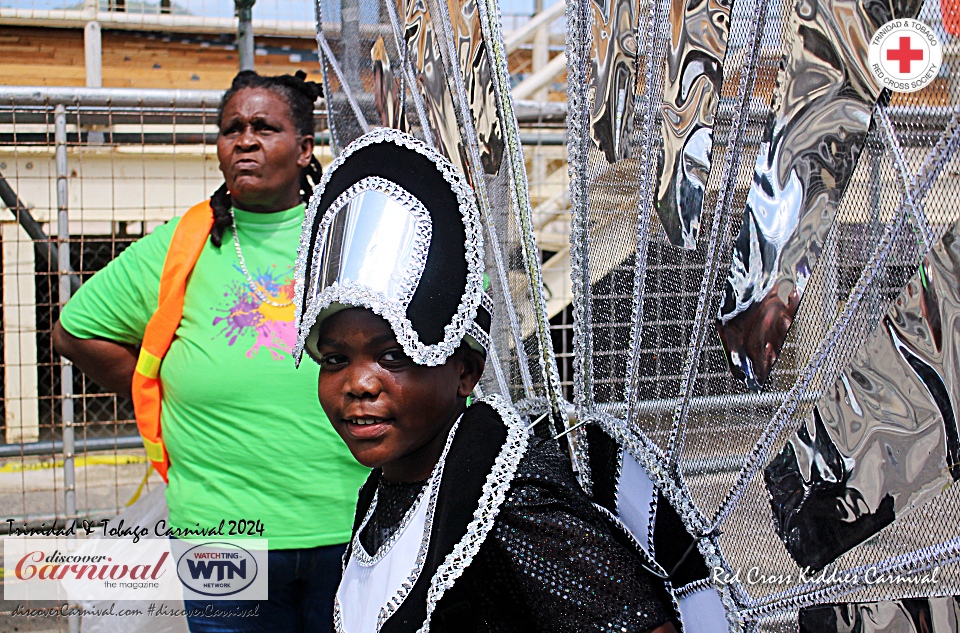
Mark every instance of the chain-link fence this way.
pixel 116 164
pixel 130 160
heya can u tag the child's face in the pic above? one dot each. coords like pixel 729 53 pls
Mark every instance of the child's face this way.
pixel 391 412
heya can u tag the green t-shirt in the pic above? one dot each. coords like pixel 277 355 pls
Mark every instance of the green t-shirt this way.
pixel 245 432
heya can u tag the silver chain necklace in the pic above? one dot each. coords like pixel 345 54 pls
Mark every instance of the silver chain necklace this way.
pixel 243 266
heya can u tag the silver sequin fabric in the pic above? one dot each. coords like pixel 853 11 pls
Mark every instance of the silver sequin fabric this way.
pixel 394 499
pixel 552 563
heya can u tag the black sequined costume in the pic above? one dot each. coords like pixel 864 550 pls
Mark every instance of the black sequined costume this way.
pixel 551 563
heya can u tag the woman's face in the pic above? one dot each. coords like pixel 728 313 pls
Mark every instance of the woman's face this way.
pixel 261 154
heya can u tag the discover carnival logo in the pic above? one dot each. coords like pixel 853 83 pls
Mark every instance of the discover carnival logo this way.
pixel 905 55
pixel 128 569
pixel 59 566
pixel 217 569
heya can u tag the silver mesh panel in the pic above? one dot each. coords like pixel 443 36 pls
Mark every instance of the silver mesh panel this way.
pixel 649 360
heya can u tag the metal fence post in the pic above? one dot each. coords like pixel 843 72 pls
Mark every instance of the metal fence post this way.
pixel 66 368
pixel 245 42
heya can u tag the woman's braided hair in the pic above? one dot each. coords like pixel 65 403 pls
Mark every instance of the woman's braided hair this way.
pixel 300 95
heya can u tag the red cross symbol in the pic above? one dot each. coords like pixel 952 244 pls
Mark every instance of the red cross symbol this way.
pixel 905 54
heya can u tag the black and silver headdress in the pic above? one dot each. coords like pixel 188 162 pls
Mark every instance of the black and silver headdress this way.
pixel 394 227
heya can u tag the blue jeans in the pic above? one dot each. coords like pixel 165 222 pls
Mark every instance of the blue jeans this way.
pixel 302 585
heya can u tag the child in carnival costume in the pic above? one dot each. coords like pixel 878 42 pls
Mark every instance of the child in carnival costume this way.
pixel 467 522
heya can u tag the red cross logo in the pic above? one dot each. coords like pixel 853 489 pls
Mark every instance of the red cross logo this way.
pixel 905 55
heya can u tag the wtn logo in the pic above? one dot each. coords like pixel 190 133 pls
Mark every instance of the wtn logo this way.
pixel 217 569
pixel 224 568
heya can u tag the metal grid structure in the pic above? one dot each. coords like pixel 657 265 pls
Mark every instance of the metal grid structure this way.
pixel 124 163
pixel 134 159
pixel 650 367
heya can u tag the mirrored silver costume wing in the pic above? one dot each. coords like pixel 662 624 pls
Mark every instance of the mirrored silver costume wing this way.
pixel 910 615
pixel 821 116
pixel 613 63
pixel 478 79
pixel 473 53
pixel 609 72
pixel 423 51
pixel 691 91
pixel 650 370
pixel 884 438
pixel 386 88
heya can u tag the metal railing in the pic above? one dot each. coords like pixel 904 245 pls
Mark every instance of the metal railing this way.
pixel 94 169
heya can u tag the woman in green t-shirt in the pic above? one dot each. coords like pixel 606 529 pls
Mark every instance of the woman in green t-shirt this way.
pixel 246 437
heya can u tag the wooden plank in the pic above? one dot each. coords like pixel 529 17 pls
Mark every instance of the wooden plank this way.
pixel 34 75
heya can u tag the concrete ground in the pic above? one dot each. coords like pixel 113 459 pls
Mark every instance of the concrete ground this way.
pixel 32 488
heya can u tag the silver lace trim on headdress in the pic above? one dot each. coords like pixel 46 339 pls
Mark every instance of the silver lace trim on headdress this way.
pixel 402 284
pixel 421 241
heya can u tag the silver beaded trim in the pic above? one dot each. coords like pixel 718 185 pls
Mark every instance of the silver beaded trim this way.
pixel 813 593
pixel 693 587
pixel 487 303
pixel 651 517
pixel 393 310
pixel 647 557
pixel 355 295
pixel 359 551
pixel 490 20
pixel 481 337
pixel 579 37
pixel 476 332
pixel 494 492
pixel 435 478
pixel 649 562
pixel 363 296
pixel 652 459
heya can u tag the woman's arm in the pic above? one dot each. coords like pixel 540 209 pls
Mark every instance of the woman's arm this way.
pixel 108 363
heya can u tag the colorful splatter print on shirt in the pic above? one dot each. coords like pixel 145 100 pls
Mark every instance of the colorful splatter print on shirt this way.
pixel 245 315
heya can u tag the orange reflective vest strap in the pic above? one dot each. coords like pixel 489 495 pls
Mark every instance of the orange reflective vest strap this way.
pixel 187 243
